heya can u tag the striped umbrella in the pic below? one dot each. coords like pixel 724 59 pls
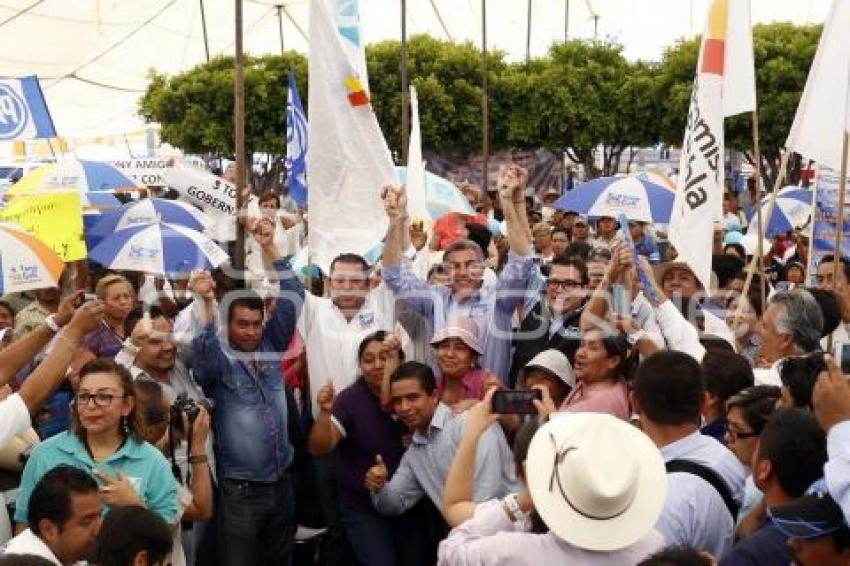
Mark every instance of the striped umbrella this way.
pixel 26 262
pixel 72 174
pixel 441 195
pixel 158 248
pixel 793 208
pixel 639 199
pixel 149 211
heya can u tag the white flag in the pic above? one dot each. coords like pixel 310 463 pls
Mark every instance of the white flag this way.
pixel 821 118
pixel 699 191
pixel 348 161
pixel 415 185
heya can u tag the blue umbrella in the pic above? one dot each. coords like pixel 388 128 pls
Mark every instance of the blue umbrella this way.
pixel 441 195
pixel 147 211
pixel 158 248
pixel 793 209
pixel 639 199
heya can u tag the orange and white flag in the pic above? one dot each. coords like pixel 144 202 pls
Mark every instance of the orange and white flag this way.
pixel 724 86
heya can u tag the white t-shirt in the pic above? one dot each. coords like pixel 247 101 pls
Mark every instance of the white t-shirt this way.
pixel 28 543
pixel 14 418
pixel 331 341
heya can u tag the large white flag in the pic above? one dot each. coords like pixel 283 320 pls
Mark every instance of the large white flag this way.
pixel 348 160
pixel 821 118
pixel 415 185
pixel 725 55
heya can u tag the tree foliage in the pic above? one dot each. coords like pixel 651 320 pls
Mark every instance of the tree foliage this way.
pixel 580 97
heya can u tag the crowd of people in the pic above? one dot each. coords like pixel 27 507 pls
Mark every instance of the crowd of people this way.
pixel 497 388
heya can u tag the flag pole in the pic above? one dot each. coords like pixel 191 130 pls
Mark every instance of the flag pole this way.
pixel 761 227
pixel 405 87
pixel 783 166
pixel 842 187
pixel 485 118
pixel 239 141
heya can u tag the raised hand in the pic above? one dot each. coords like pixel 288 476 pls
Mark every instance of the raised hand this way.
pixel 831 396
pixel 67 307
pixel 395 202
pixel 325 397
pixel 376 476
pixel 202 284
pixel 263 232
pixel 87 318
pixel 118 490
pixel 512 181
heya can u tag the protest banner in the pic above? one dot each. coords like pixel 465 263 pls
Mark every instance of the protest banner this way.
pixel 147 172
pixel 53 218
pixel 210 193
pixel 824 218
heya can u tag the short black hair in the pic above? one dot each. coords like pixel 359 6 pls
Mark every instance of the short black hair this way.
pixel 479 234
pixel 795 445
pixel 799 374
pixel 51 497
pixel 247 299
pixel 676 556
pixel 828 302
pixel 725 373
pixel 418 371
pixel 757 404
pixel 377 336
pixel 578 249
pixel 737 247
pixel 845 265
pixel 567 261
pixel 726 267
pixel 668 387
pixel 350 258
pixel 127 531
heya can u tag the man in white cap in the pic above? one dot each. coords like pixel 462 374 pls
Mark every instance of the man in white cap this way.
pixel 595 482
pixel 551 370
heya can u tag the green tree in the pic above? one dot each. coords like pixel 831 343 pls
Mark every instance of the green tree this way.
pixel 783 54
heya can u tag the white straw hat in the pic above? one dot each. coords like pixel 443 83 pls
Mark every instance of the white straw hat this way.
pixel 597 482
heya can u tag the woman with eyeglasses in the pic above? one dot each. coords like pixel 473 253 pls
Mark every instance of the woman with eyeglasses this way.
pixel 105 441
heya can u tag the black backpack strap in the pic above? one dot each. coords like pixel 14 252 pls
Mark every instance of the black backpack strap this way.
pixel 710 476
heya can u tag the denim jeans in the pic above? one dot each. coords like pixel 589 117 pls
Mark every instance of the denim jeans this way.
pixel 256 522
pixel 386 541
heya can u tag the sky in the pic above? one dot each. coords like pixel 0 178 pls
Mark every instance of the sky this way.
pixel 94 56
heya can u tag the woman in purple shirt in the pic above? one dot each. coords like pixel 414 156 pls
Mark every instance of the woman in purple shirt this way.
pixel 600 376
pixel 356 425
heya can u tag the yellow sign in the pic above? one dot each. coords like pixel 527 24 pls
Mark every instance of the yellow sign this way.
pixel 53 218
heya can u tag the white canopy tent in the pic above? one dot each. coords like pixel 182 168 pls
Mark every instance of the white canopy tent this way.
pixel 94 56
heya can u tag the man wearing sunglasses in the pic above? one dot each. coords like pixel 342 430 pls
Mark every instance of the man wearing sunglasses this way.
pixel 553 322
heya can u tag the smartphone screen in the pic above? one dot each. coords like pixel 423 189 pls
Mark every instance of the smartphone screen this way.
pixel 506 401
pixel 842 356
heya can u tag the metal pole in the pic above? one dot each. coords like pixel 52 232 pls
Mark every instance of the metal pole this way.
pixel 204 27
pixel 595 26
pixel 566 20
pixel 760 244
pixel 405 87
pixel 839 228
pixel 528 35
pixel 279 8
pixel 485 118
pixel 239 140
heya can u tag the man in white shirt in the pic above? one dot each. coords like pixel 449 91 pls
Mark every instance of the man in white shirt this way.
pixel 792 325
pixel 705 479
pixel 64 518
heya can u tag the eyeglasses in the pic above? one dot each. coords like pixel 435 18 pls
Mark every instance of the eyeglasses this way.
pixel 100 399
pixel 563 283
pixel 735 435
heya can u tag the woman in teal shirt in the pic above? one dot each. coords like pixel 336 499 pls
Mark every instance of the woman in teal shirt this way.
pixel 105 441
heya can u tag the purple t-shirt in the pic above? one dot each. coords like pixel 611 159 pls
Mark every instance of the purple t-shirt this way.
pixel 103 342
pixel 368 431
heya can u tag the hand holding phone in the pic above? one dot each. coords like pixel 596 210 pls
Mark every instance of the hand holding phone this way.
pixel 520 402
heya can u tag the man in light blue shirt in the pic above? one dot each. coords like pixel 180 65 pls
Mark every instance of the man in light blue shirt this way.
pixel 705 479
pixel 436 435
pixel 491 306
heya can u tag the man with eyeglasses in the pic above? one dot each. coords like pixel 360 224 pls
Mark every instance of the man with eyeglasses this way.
pixel 553 322
pixel 491 306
